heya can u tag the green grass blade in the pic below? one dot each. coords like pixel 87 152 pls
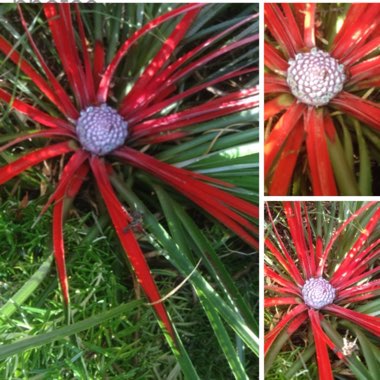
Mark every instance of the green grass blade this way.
pixel 27 289
pixel 224 341
pixel 63 332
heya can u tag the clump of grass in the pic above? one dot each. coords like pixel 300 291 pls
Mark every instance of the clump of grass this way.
pixel 128 346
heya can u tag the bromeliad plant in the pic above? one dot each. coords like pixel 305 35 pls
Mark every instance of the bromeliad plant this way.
pixel 108 113
pixel 322 279
pixel 322 106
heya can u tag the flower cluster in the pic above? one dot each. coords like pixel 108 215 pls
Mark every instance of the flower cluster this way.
pixel 321 98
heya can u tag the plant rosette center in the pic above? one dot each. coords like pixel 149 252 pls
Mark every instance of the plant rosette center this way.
pixel 101 129
pixel 315 78
pixel 318 293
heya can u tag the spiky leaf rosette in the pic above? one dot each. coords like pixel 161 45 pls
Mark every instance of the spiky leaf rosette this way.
pixel 322 109
pixel 155 108
pixel 322 282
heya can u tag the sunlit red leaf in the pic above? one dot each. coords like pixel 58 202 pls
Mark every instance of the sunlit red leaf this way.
pixel 280 29
pixel 360 22
pixel 60 24
pixel 164 84
pixel 282 175
pixel 109 72
pixel 336 234
pixel 280 133
pixel 309 24
pixel 159 61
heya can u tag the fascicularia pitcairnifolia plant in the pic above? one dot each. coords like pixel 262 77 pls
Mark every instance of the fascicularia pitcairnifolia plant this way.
pixel 90 130
pixel 317 275
pixel 321 89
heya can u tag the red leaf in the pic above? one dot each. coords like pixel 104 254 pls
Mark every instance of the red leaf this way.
pixel 352 17
pixel 58 132
pixel 165 83
pixel 277 105
pixel 288 317
pixel 283 172
pixel 67 190
pixel 364 70
pixel 217 202
pixel 69 172
pixel 34 113
pixel 121 220
pixel 372 286
pixel 309 24
pixel 323 360
pixel 231 103
pixel 287 262
pixel 359 267
pixel 294 272
pixel 349 262
pixel 360 22
pixel 311 250
pixel 358 54
pixel 62 100
pixel 161 138
pixel 274 61
pixel 110 70
pixel 60 24
pixel 337 233
pixel 322 175
pixel 40 82
pixel 274 83
pixel 287 286
pixel 158 62
pixel 296 228
pixel 99 59
pixel 355 277
pixel 368 322
pixel 280 29
pixel 368 83
pixel 292 25
pixel 270 302
pixel 134 109
pixel 158 107
pixel 278 136
pixel 11 170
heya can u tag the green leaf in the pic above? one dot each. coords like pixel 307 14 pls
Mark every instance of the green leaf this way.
pixel 63 332
pixel 365 174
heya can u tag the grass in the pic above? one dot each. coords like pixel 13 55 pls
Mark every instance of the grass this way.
pixel 128 346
